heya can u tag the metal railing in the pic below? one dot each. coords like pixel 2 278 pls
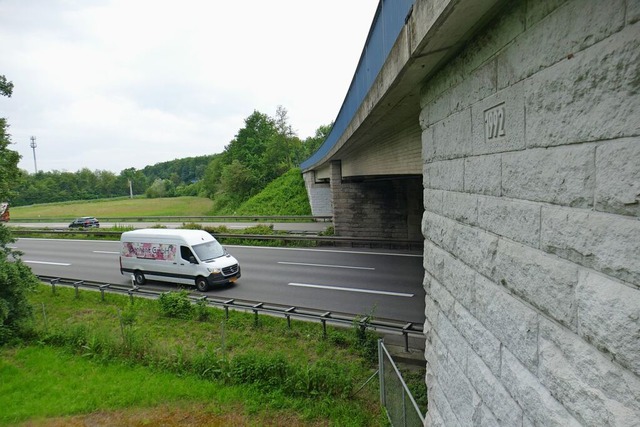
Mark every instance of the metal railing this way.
pixel 388 326
pixel 395 396
pixel 334 240
pixel 192 218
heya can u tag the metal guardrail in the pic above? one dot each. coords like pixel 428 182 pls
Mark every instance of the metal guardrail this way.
pixel 353 241
pixel 406 329
pixel 189 218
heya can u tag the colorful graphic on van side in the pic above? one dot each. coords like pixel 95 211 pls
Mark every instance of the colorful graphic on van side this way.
pixel 157 251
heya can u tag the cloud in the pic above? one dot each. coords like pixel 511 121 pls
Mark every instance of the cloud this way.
pixel 112 84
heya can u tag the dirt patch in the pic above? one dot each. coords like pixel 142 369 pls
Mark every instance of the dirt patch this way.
pixel 168 416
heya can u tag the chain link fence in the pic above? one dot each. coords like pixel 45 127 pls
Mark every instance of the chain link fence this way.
pixel 400 406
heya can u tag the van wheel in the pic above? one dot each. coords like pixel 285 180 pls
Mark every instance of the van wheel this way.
pixel 202 285
pixel 139 278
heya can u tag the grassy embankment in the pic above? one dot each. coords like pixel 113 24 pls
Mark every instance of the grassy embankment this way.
pixel 113 362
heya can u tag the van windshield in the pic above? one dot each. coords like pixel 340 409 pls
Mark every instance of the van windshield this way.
pixel 208 251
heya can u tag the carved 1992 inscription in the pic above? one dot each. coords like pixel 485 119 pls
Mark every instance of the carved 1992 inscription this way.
pixel 494 122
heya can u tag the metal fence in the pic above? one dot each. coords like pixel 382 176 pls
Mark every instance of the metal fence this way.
pixel 395 397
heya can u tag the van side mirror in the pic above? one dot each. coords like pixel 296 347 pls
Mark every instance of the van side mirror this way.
pixel 192 260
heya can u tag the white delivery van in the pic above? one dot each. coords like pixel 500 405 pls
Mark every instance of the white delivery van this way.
pixel 191 257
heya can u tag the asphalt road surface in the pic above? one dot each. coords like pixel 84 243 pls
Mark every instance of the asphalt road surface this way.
pixel 386 284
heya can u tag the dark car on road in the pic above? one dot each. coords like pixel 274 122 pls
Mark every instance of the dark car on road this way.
pixel 85 222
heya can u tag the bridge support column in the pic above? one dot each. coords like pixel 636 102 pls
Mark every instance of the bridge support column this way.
pixel 388 208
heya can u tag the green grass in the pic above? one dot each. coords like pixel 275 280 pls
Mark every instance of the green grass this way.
pixel 285 195
pixel 87 355
pixel 121 207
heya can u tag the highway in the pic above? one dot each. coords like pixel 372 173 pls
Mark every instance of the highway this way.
pixel 387 284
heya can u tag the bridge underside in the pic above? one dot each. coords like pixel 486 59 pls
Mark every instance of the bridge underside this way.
pixel 386 207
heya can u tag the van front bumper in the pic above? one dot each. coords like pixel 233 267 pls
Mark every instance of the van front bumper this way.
pixel 221 279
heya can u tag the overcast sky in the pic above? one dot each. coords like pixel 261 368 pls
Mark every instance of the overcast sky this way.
pixel 112 84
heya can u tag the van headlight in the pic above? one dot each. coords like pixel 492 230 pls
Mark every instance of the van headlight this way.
pixel 214 270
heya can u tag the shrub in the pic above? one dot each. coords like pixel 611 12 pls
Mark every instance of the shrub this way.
pixel 175 304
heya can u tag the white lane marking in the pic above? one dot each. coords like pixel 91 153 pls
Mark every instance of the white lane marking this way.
pixel 325 265
pixel 340 288
pixel 47 263
pixel 106 252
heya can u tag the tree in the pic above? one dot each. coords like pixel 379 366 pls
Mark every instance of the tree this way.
pixel 16 279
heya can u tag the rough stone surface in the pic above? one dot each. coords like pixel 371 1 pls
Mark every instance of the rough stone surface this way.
pixel 618 177
pixel 505 410
pixel 452 137
pixel 511 103
pixel 597 391
pixel 603 242
pixel 542 214
pixel 512 322
pixel 445 175
pixel 574 26
pixel 536 401
pixel 593 92
pixel 518 221
pixel 562 175
pixel 544 281
pixel 461 207
pixel 483 175
pixel 609 318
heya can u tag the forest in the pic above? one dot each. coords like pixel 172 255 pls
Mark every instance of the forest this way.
pixel 263 150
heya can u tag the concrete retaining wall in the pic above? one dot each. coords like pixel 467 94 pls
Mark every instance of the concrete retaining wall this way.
pixel 531 150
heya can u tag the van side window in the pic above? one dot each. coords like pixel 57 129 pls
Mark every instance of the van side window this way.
pixel 186 254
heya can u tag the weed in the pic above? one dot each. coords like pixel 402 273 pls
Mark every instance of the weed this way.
pixel 175 304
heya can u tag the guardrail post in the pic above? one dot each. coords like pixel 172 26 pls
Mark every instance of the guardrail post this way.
pixel 102 288
pixel 54 282
pixel 226 308
pixel 288 315
pixel 383 399
pixel 405 333
pixel 130 292
pixel 255 312
pixel 323 319
pixel 76 285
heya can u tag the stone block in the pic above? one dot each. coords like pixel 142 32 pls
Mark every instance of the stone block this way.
pixel 474 247
pixel 537 10
pixel 633 12
pixel 588 97
pixel 484 418
pixel 428 151
pixel 561 175
pixel 441 296
pixel 475 87
pixel 481 340
pixel 452 136
pixel 543 281
pixel 454 342
pixel 568 29
pixel 461 207
pixel 446 175
pixel 604 242
pixel 498 122
pixel 443 408
pixel 596 391
pixel 535 400
pixel 515 220
pixel 432 200
pixel 461 396
pixel 609 314
pixel 618 177
pixel 512 322
pixel 483 175
pixel 505 410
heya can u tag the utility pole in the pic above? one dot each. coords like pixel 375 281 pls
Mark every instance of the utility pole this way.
pixel 34 145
